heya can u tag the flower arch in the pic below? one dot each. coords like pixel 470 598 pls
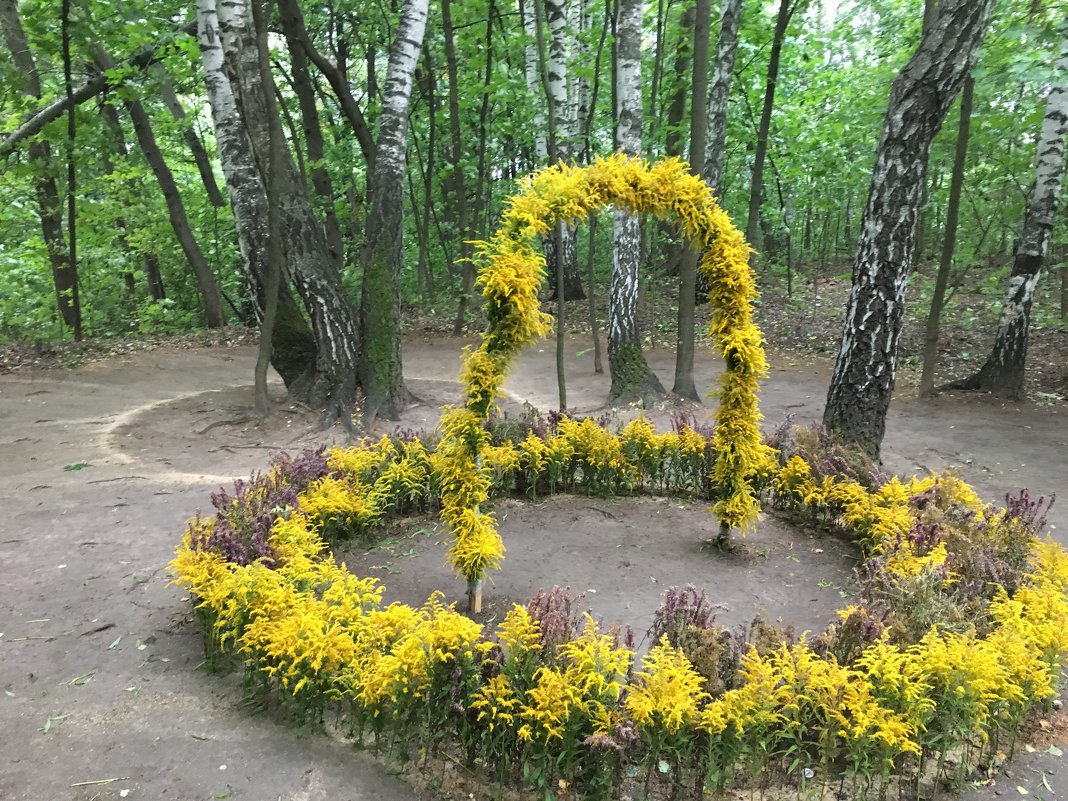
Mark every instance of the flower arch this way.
pixel 511 271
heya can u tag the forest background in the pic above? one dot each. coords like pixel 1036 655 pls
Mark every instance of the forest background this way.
pixel 119 217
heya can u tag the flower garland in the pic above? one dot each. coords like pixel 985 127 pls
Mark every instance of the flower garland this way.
pixel 511 271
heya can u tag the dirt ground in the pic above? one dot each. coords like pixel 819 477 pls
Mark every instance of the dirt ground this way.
pixel 102 465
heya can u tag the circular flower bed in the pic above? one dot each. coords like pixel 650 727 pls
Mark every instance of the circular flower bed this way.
pixel 958 629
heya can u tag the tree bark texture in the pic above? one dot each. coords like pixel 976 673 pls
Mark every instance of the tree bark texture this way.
pixel 380 363
pixel 293 351
pixel 632 379
pixel 866 367
pixel 684 386
pixel 210 297
pixel 457 182
pixel 1003 371
pixel 332 386
pixel 274 215
pixel 50 211
pixel 530 67
pixel 322 185
pixel 949 242
pixel 719 93
pixel 562 109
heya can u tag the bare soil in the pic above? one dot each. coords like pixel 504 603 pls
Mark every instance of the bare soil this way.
pixel 103 464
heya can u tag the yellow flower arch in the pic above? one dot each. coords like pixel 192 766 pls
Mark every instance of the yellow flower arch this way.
pixel 511 271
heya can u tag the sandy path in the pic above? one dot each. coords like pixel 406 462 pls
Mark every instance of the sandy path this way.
pixel 96 640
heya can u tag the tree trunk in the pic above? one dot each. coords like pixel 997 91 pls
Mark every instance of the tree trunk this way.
pixel 673 138
pixel 684 386
pixel 192 141
pixel 72 171
pixel 274 214
pixel 756 187
pixel 332 385
pixel 531 71
pixel 149 260
pixel 864 373
pixel 64 275
pixel 667 231
pixel 425 269
pixel 1003 372
pixel 632 379
pixel 457 182
pixel 293 23
pixel 304 88
pixel 945 264
pixel 718 94
pixel 380 361
pixel 567 250
pixel 210 297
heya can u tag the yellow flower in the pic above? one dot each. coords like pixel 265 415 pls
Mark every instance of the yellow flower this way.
pixel 666 692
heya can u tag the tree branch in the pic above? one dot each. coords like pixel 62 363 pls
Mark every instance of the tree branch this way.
pixel 91 88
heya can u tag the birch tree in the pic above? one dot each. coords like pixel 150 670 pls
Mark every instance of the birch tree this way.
pixel 380 360
pixel 632 379
pixel 331 385
pixel 562 108
pixel 1003 371
pixel 864 373
pixel 719 93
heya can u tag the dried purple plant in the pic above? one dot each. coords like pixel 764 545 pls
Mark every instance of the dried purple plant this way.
pixel 244 519
pixel 1029 512
pixel 552 612
pixel 679 611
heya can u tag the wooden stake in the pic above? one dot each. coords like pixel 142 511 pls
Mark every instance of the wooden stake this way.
pixel 474 596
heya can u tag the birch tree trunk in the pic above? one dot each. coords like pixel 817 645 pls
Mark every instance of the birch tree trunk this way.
pixel 632 379
pixel 718 96
pixel 64 276
pixel 719 93
pixel 293 350
pixel 530 66
pixel 864 373
pixel 380 360
pixel 562 110
pixel 1003 372
pixel 332 386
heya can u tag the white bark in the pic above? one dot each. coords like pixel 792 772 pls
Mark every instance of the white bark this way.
pixel 380 368
pixel 718 93
pixel 530 56
pixel 243 183
pixel 631 376
pixel 1003 371
pixel 391 145
pixel 315 274
pixel 556 20
pixel 864 373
